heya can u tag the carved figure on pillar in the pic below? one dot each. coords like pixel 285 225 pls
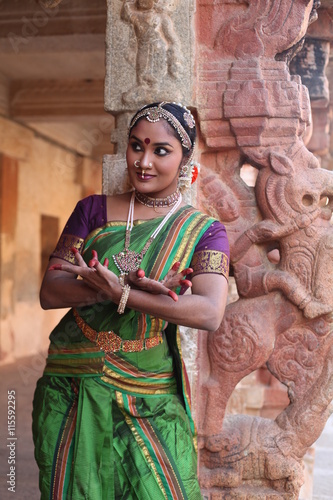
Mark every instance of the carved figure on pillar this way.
pixel 156 48
pixel 283 318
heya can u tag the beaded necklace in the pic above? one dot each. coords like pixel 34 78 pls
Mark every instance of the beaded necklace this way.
pixel 127 260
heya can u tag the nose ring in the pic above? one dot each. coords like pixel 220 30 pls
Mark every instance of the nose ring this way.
pixel 150 165
pixel 143 174
pixel 136 163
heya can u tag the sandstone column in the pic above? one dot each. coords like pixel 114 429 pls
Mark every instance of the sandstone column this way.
pixel 252 110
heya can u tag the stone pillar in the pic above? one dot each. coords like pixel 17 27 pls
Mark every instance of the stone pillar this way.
pixel 253 111
pixel 149 58
pixel 310 63
pixel 320 36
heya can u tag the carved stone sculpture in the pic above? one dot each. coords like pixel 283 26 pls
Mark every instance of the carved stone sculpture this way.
pixel 156 48
pixel 253 111
pixel 149 53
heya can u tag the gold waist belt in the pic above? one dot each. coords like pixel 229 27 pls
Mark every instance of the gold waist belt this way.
pixel 111 342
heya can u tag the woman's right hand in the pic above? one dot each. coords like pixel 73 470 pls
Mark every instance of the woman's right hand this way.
pixel 173 279
pixel 95 275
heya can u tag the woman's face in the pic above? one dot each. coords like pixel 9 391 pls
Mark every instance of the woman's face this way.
pixel 155 144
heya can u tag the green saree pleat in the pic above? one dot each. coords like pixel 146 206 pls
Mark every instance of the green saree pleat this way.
pixel 118 425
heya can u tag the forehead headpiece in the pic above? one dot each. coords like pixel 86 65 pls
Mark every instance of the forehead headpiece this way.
pixel 155 113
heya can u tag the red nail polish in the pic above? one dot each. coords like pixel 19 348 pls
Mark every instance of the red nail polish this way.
pixel 140 273
pixel 173 295
pixel 94 254
pixel 106 262
pixel 55 267
pixel 176 266
pixel 74 250
pixel 92 263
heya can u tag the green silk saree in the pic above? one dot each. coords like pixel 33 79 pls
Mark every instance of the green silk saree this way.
pixel 118 425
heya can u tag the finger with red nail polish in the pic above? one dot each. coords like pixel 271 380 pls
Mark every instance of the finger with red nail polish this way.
pixel 106 262
pixel 94 254
pixel 55 267
pixel 176 266
pixel 186 271
pixel 186 283
pixel 92 262
pixel 140 273
pixel 74 250
pixel 173 295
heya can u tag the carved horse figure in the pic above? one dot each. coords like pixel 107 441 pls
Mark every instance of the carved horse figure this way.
pixel 283 317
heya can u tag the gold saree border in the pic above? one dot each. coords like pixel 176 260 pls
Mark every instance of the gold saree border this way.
pixel 65 244
pixel 210 261
pixel 142 430
pixel 139 440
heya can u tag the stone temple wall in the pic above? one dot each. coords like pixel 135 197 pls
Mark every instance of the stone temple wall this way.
pixel 40 183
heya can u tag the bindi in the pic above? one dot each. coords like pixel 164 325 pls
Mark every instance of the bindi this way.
pixel 147 140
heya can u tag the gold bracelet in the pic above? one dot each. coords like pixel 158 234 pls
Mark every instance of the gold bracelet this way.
pixel 121 279
pixel 123 299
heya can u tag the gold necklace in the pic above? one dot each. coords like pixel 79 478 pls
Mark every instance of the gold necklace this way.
pixel 168 201
pixel 127 260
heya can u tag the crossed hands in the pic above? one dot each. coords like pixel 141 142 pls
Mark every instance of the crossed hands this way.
pixel 100 278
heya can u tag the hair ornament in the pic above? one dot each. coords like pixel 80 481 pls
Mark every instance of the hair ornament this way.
pixel 188 174
pixel 188 118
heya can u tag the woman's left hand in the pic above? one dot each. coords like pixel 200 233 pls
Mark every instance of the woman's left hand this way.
pixel 173 279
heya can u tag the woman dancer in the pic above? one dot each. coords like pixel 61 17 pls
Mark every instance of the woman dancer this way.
pixel 111 416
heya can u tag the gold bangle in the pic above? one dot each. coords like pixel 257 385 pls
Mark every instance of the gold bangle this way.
pixel 123 299
pixel 121 279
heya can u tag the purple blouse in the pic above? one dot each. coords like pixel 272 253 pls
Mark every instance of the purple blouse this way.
pixel 211 254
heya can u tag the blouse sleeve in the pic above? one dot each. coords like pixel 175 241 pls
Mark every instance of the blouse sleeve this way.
pixel 88 214
pixel 212 253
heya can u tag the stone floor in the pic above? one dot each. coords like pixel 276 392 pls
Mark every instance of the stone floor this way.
pixel 21 377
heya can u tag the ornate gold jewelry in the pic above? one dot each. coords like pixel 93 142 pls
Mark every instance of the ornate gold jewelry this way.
pixel 123 299
pixel 127 260
pixel 111 342
pixel 155 113
pixel 187 171
pixel 168 201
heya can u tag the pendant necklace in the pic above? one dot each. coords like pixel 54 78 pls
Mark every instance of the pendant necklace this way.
pixel 127 260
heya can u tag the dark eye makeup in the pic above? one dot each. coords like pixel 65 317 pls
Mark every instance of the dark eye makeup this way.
pixel 159 150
